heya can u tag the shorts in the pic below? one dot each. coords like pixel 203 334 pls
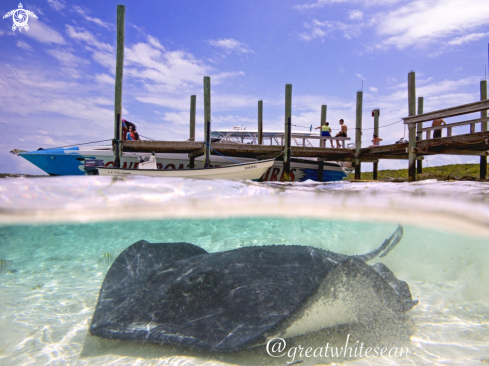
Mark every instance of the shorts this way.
pixel 341 134
pixel 325 133
pixel 436 134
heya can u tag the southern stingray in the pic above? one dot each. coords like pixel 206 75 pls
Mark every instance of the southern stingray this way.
pixel 179 294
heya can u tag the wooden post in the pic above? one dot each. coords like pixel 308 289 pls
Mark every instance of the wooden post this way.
pixel 376 113
pixel 320 169
pixel 207 118
pixel 358 135
pixel 193 102
pixel 324 108
pixel 260 122
pixel 288 116
pixel 207 140
pixel 419 134
pixel 119 66
pixel 483 162
pixel 412 127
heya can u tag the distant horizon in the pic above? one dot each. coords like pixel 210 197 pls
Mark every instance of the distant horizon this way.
pixel 57 78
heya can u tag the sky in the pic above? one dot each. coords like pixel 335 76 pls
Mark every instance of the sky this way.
pixel 57 78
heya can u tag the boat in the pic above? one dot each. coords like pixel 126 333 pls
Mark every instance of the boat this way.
pixel 70 160
pixel 253 171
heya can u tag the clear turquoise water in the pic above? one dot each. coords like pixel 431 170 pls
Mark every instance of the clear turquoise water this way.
pixel 447 273
pixel 46 305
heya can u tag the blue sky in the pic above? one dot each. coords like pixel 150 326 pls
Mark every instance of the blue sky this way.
pixel 57 79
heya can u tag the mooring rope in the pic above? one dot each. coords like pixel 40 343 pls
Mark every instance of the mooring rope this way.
pixel 86 143
pixel 238 162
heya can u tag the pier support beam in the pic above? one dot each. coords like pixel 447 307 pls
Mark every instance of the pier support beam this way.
pixel 483 162
pixel 320 169
pixel 207 120
pixel 358 135
pixel 324 108
pixel 193 102
pixel 119 66
pixel 412 127
pixel 288 125
pixel 419 134
pixel 260 122
pixel 375 114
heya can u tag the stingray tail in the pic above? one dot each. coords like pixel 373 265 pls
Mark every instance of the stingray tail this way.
pixel 385 248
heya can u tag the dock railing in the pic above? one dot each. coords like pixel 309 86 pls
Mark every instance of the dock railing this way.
pixel 450 112
pixel 413 120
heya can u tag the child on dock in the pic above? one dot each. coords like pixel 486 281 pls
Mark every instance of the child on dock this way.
pixel 325 132
pixel 438 122
pixel 376 141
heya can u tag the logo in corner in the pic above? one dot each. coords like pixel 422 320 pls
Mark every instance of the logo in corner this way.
pixel 20 16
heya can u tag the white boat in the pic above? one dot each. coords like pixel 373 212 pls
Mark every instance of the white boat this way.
pixel 253 171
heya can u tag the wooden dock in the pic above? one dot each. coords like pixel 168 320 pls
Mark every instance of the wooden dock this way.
pixel 474 143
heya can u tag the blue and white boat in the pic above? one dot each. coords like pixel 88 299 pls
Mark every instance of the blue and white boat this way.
pixel 71 160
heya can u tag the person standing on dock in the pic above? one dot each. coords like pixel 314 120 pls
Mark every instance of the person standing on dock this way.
pixel 437 122
pixel 326 132
pixel 376 141
pixel 342 132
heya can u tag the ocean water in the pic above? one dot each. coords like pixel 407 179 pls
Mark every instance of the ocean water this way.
pixel 57 230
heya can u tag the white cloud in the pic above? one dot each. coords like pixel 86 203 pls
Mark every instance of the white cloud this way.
pixel 231 45
pixel 82 34
pixel 360 76
pixel 102 52
pixel 43 33
pixel 57 4
pixel 355 15
pixel 84 14
pixel 66 57
pixel 155 43
pixel 319 29
pixel 177 118
pixel 318 4
pixel 467 38
pixel 24 45
pixel 104 79
pixel 373 89
pixel 420 22
pixel 322 3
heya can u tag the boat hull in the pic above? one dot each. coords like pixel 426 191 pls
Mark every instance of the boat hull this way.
pixel 253 171
pixel 70 161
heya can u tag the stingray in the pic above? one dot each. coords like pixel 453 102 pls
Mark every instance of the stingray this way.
pixel 179 294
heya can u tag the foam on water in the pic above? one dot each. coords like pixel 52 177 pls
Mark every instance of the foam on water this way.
pixel 56 231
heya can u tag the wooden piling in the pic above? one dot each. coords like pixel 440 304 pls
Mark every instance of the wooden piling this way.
pixel 483 160
pixel 260 122
pixel 193 102
pixel 324 108
pixel 288 117
pixel 320 169
pixel 412 127
pixel 119 66
pixel 419 134
pixel 376 113
pixel 358 135
pixel 207 118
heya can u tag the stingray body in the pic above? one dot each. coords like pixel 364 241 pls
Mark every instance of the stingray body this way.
pixel 177 293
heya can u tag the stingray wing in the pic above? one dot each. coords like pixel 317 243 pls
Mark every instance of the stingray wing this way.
pixel 219 301
pixel 9 14
pixel 131 269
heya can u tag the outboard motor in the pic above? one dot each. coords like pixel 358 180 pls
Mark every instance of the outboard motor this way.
pixel 150 164
pixel 91 166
